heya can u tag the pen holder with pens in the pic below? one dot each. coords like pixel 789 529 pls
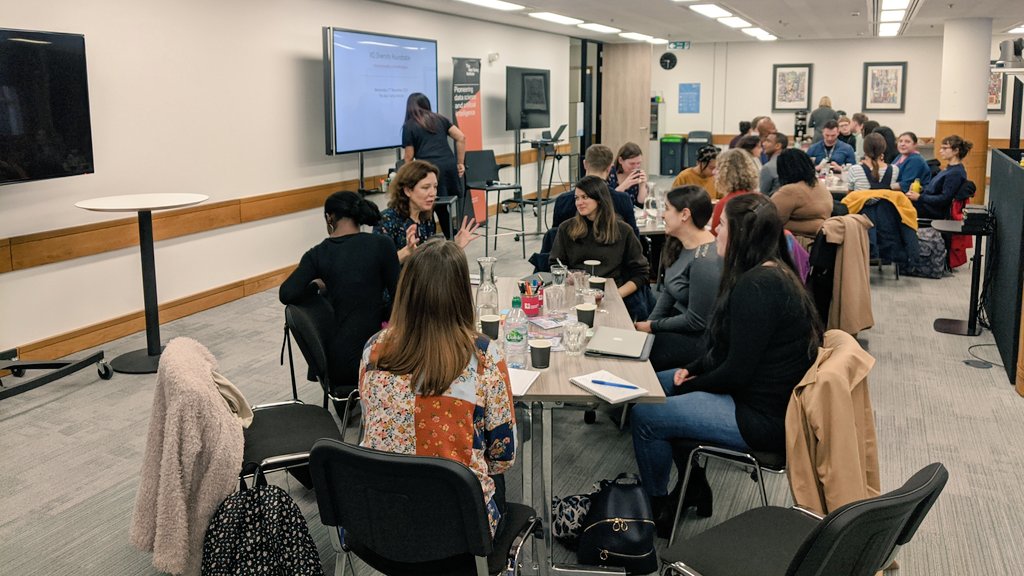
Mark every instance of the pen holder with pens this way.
pixel 531 304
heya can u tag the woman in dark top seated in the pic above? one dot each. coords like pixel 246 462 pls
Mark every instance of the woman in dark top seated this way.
pixel 409 217
pixel 595 233
pixel 763 337
pixel 937 197
pixel 356 271
pixel 689 287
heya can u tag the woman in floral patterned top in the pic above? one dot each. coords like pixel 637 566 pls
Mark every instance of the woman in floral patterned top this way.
pixel 433 386
pixel 409 218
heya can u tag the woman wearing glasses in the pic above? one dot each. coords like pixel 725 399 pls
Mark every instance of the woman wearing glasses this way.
pixel 935 200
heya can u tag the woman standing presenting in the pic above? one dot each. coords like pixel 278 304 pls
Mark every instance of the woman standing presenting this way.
pixel 431 385
pixel 764 335
pixel 357 272
pixel 425 137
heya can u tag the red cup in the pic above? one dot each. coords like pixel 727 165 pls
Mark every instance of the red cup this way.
pixel 531 305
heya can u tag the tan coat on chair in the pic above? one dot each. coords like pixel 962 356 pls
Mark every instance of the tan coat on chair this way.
pixel 831 448
pixel 193 457
pixel 851 291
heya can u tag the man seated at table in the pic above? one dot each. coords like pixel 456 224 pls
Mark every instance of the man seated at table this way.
pixel 773 145
pixel 596 162
pixel 830 150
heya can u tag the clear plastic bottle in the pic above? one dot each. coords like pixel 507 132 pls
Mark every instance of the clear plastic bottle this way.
pixel 516 335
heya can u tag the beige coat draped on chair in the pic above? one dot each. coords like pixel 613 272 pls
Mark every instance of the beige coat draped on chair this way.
pixel 831 448
pixel 851 291
pixel 193 457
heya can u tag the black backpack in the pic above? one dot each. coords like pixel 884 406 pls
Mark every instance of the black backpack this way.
pixel 259 531
pixel 618 530
pixel 931 260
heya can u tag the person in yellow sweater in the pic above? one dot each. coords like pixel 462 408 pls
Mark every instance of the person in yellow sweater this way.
pixel 703 174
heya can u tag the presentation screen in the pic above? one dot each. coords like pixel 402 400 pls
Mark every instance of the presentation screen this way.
pixel 367 80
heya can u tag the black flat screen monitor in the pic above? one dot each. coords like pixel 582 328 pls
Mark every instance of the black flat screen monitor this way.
pixel 367 80
pixel 527 98
pixel 45 131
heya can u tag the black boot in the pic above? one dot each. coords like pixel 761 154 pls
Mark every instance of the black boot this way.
pixel 698 493
pixel 664 510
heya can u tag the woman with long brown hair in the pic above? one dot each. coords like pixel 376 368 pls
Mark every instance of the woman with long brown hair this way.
pixel 627 174
pixel 595 233
pixel 431 385
pixel 425 136
pixel 937 197
pixel 873 173
pixel 763 337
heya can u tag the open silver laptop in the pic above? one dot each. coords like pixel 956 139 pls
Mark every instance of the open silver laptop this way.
pixel 620 343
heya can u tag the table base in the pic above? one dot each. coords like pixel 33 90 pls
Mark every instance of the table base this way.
pixel 136 362
pixel 957 327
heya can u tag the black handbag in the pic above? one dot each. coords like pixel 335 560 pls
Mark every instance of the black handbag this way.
pixel 618 530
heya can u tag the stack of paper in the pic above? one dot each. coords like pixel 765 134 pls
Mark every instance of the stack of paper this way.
pixel 521 380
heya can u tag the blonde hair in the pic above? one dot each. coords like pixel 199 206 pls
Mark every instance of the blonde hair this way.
pixel 825 101
pixel 737 170
pixel 432 330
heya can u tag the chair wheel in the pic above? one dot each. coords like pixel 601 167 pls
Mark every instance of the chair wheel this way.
pixel 504 208
pixel 590 416
pixel 104 370
pixel 17 372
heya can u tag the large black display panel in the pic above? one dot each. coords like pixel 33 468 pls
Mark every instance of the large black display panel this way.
pixel 45 130
pixel 1006 255
pixel 527 98
pixel 367 80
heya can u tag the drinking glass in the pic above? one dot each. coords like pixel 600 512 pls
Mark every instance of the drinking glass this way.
pixel 574 338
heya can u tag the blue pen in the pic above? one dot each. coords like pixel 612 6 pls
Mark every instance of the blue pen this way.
pixel 615 384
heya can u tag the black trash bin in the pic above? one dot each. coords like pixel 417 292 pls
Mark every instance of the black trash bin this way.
pixel 672 154
pixel 694 142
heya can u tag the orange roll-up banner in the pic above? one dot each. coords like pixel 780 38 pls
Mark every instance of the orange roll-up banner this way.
pixel 466 111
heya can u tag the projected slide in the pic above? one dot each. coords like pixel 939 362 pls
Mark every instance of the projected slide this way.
pixel 373 77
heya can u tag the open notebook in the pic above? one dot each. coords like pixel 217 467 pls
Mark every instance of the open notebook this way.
pixel 613 389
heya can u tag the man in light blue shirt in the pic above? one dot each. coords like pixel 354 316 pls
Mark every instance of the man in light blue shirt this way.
pixel 773 145
pixel 830 150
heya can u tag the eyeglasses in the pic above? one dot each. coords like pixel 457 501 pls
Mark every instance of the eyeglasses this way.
pixel 944 147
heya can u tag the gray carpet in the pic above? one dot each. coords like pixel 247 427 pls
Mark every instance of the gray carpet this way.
pixel 72 449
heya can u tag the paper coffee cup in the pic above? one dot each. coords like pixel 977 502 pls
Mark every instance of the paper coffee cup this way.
pixel 585 313
pixel 597 283
pixel 489 325
pixel 540 353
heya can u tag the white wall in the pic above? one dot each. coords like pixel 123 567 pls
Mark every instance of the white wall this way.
pixel 736 82
pixel 222 98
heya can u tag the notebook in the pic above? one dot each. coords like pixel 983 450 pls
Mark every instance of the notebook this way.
pixel 608 393
pixel 620 343
pixel 521 380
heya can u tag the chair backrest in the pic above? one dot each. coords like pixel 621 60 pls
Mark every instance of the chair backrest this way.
pixel 312 325
pixel 857 538
pixel 404 508
pixel 481 168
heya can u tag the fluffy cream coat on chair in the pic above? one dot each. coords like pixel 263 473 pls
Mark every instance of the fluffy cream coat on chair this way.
pixel 193 457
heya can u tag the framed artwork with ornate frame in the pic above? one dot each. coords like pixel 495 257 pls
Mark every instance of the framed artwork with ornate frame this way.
pixel 885 87
pixel 996 91
pixel 791 86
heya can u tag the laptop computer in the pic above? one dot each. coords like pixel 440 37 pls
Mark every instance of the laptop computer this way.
pixel 620 343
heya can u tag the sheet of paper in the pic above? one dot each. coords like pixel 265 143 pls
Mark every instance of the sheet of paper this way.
pixel 521 380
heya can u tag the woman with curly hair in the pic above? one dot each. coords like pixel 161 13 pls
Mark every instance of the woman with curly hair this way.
pixel 738 173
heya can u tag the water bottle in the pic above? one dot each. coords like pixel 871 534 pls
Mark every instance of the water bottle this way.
pixel 516 336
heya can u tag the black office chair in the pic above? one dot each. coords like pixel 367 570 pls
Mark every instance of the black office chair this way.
pixel 858 539
pixel 482 174
pixel 686 452
pixel 312 325
pixel 413 515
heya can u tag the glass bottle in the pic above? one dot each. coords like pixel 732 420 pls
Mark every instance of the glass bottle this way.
pixel 487 291
pixel 554 295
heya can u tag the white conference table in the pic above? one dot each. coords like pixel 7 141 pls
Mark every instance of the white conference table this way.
pixel 552 390
pixel 143 361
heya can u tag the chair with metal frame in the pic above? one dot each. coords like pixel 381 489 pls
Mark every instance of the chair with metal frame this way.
pixel 405 514
pixel 857 539
pixel 482 174
pixel 685 452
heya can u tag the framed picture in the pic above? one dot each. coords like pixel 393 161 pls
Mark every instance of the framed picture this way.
pixel 791 86
pixel 885 86
pixel 996 91
pixel 535 93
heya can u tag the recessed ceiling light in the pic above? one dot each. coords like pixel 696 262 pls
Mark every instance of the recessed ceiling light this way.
pixel 684 0
pixel 767 38
pixel 891 15
pixel 895 4
pixel 755 32
pixel 556 18
pixel 889 29
pixel 1017 30
pixel 636 36
pixel 710 10
pixel 599 28
pixel 495 4
pixel 734 22
pixel 658 41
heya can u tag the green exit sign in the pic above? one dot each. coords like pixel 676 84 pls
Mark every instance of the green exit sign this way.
pixel 678 45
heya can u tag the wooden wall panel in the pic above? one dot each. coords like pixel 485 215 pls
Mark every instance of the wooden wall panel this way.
pixel 267 281
pixel 5 256
pixel 270 205
pixel 69 243
pixel 175 223
pixel 976 163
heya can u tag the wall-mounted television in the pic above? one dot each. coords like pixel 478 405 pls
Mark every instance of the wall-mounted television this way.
pixel 45 131
pixel 367 80
pixel 527 98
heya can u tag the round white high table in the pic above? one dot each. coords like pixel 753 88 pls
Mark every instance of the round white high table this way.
pixel 143 361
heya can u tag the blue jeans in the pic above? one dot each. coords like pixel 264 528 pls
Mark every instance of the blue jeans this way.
pixel 697 415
